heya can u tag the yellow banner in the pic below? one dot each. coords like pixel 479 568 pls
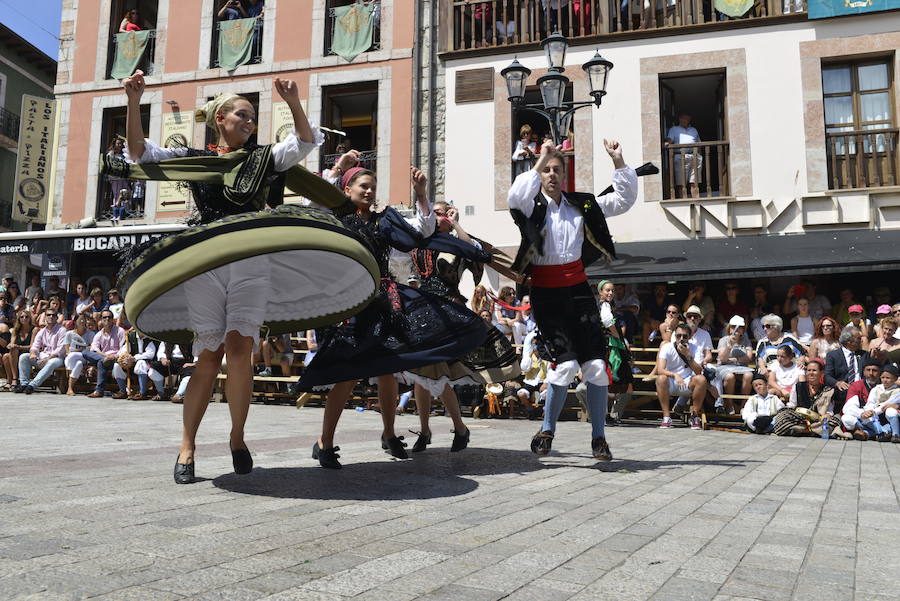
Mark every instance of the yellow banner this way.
pixel 177 132
pixel 34 164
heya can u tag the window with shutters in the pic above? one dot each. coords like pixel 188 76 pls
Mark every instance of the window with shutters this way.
pixel 860 130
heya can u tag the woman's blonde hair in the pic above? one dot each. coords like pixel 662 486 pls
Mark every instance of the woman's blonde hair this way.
pixel 525 129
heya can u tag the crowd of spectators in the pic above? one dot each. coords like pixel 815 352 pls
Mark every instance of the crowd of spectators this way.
pixel 85 333
pixel 796 367
pixel 805 360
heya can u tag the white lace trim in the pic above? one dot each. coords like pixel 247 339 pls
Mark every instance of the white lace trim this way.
pixel 435 387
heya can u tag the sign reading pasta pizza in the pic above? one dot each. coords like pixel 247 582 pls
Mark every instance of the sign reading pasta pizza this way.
pixel 34 162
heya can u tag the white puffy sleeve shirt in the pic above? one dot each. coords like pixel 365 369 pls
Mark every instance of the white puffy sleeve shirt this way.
pixel 285 154
pixel 564 225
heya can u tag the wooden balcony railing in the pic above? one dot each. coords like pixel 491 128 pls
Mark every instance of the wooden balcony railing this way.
pixel 698 170
pixel 862 159
pixel 498 23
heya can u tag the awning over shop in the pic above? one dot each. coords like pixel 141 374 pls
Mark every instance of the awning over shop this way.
pixel 752 256
pixel 81 240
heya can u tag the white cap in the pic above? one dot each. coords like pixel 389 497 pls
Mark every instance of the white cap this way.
pixel 737 321
pixel 694 309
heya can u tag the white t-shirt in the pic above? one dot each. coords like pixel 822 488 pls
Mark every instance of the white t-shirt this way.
pixel 703 341
pixel 75 341
pixel 675 363
pixel 786 377
pixel 116 309
pixel 682 135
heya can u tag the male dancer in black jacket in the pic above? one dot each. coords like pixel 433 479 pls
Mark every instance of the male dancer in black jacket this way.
pixel 562 233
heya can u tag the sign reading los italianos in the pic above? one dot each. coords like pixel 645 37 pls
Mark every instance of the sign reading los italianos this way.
pixel 34 161
pixel 821 9
pixel 177 132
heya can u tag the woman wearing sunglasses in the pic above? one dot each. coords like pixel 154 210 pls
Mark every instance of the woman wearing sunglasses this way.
pixel 21 337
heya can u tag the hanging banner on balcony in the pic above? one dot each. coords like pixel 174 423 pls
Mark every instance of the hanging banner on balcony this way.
pixel 235 43
pixel 34 165
pixel 130 48
pixel 820 9
pixel 733 8
pixel 354 27
pixel 177 132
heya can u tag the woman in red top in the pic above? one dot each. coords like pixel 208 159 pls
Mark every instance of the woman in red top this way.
pixel 130 22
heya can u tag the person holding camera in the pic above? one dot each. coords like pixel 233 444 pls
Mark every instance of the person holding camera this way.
pixel 680 372
pixel 232 9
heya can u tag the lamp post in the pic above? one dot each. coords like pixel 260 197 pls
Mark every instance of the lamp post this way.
pixel 553 85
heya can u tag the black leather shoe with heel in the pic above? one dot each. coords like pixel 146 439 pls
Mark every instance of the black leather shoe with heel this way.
pixel 184 472
pixel 395 447
pixel 242 460
pixel 328 458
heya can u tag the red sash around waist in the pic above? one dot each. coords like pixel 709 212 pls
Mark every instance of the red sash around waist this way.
pixel 558 276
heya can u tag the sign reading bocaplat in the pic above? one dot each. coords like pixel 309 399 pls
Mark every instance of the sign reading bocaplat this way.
pixel 92 243
pixel 33 165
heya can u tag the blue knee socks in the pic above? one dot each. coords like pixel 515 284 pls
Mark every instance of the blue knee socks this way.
pixel 556 400
pixel 597 399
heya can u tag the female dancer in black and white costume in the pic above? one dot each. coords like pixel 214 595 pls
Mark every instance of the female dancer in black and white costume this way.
pixel 239 264
pixel 402 329
pixel 494 361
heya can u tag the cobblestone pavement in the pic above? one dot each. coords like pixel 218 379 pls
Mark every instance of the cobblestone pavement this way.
pixel 88 509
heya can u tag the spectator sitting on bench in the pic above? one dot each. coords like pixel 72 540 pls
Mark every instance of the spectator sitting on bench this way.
pixel 170 359
pixel 679 372
pixel 78 339
pixel 104 352
pixel 761 407
pixel 784 372
pixel 47 352
pixel 141 350
pixel 883 400
pixel 277 349
pixel 735 357
pixel 767 348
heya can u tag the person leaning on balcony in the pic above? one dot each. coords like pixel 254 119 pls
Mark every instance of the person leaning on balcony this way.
pixel 232 9
pixel 523 155
pixel 130 21
pixel 687 161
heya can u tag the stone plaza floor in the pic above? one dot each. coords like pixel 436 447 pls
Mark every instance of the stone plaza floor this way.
pixel 88 510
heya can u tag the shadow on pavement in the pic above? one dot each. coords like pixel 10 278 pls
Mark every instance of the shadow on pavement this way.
pixel 641 466
pixel 433 474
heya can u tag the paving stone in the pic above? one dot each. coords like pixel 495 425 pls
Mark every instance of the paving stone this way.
pixel 722 517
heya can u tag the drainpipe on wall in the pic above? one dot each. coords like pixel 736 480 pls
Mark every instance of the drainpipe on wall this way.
pixel 432 110
pixel 417 86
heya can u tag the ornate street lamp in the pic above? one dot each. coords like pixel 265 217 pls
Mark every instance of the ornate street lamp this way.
pixel 553 85
pixel 516 76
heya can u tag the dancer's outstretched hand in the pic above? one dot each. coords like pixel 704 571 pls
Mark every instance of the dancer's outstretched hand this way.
pixel 287 89
pixel 134 85
pixel 613 148
pixel 419 182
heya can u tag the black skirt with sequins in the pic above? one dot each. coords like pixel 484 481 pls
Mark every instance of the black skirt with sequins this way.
pixel 402 329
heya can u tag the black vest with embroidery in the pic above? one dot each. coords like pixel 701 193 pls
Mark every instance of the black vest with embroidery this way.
pixel 597 240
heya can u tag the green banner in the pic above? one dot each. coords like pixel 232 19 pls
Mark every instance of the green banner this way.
pixel 130 48
pixel 733 8
pixel 820 9
pixel 354 27
pixel 235 43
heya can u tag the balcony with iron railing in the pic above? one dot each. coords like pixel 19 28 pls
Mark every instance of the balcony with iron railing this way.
pixel 9 129
pixel 147 61
pixel 697 170
pixel 255 49
pixel 329 33
pixel 367 159
pixel 500 23
pixel 862 158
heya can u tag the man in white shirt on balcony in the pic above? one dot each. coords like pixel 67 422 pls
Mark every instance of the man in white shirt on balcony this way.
pixel 687 163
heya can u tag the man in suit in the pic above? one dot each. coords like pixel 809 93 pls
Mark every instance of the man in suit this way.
pixel 844 365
